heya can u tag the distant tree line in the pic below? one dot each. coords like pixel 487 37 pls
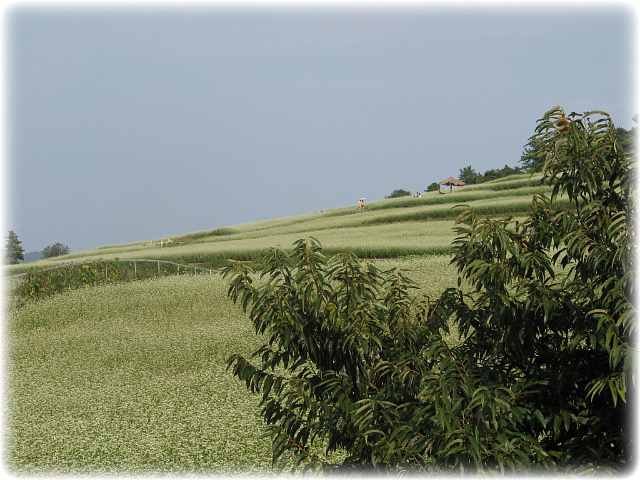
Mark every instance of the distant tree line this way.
pixel 469 176
pixel 14 253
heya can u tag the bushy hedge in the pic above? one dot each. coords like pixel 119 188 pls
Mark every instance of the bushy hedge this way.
pixel 47 282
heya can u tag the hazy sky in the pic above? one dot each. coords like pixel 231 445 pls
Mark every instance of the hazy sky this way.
pixel 128 124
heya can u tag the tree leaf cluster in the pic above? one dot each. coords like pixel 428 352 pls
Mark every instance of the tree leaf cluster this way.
pixel 528 365
pixel 531 161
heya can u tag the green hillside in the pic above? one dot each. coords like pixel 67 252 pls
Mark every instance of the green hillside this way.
pixel 388 228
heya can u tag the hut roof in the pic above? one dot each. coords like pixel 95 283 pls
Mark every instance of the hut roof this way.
pixel 451 181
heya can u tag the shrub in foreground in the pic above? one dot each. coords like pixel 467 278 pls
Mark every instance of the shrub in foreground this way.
pixel 355 361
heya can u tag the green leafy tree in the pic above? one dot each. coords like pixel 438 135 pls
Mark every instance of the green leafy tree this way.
pixel 434 187
pixel 13 252
pixel 356 361
pixel 532 161
pixel 399 192
pixel 468 175
pixel 553 295
pixel 55 250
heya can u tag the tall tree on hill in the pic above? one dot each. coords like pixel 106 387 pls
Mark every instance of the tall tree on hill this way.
pixel 434 187
pixel 13 252
pixel 468 175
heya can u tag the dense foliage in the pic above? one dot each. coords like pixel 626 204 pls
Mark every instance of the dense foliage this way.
pixel 532 161
pixel 43 283
pixel 541 374
pixel 470 177
pixel 398 192
pixel 55 250
pixel 13 251
pixel 434 187
pixel 554 295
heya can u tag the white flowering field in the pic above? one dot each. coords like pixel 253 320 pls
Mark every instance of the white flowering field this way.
pixel 131 378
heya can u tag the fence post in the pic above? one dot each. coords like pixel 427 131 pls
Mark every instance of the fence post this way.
pixel 135 271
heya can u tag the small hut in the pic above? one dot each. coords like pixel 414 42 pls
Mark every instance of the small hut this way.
pixel 451 182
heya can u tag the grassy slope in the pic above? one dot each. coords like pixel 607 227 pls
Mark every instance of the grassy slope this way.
pixel 388 228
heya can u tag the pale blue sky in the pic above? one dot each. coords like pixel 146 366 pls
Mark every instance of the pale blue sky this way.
pixel 132 124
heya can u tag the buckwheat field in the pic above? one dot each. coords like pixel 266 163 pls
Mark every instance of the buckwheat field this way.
pixel 131 379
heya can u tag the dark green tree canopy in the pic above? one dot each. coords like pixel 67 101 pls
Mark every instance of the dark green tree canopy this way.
pixel 356 361
pixel 55 250
pixel 468 175
pixel 434 187
pixel 13 251
pixel 399 192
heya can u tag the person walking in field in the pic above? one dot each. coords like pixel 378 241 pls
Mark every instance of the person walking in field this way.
pixel 361 204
